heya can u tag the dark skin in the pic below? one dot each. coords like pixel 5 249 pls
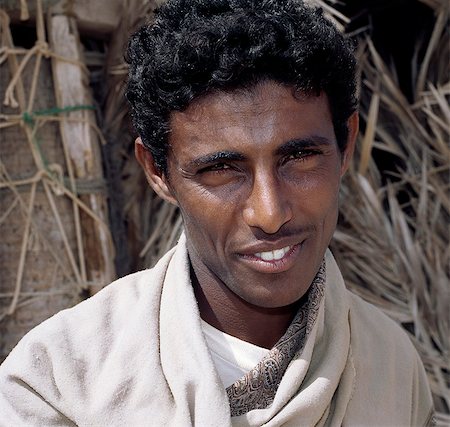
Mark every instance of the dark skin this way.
pixel 262 326
pixel 256 175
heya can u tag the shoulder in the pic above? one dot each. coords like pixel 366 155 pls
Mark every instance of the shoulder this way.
pixel 369 321
pixel 103 315
pixel 108 307
pixel 387 366
pixel 379 340
pixel 95 321
pixel 100 317
pixel 56 368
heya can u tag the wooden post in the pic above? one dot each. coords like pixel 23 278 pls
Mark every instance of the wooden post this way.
pixel 82 147
pixel 94 17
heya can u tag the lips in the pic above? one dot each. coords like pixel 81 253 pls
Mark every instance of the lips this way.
pixel 276 260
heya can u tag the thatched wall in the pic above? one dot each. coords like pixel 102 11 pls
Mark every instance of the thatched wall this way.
pixel 393 237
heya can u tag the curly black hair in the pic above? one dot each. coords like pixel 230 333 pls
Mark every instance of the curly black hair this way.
pixel 198 46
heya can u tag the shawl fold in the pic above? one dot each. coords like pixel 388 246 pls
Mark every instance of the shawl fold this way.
pixel 134 354
pixel 257 388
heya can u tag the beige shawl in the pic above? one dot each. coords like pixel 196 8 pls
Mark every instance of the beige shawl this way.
pixel 134 355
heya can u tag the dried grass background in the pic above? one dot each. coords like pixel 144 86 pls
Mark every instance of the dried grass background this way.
pixel 153 226
pixel 392 242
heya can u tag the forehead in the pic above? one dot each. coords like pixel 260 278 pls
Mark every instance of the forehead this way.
pixel 252 118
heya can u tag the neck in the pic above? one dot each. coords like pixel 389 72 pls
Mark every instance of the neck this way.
pixel 226 311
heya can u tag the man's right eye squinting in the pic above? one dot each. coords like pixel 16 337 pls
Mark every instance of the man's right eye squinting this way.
pixel 218 167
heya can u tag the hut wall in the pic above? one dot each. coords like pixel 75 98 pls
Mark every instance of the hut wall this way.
pixel 55 245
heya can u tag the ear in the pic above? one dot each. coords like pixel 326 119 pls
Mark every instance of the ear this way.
pixel 353 128
pixel 156 179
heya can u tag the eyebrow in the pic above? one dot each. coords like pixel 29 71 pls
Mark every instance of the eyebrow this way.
pixel 216 157
pixel 301 144
pixel 286 148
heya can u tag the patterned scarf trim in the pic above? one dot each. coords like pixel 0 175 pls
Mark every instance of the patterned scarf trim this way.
pixel 257 388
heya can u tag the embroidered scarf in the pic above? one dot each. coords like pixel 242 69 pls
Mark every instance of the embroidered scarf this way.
pixel 256 389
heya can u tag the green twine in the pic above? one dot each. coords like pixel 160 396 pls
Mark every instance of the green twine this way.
pixel 28 118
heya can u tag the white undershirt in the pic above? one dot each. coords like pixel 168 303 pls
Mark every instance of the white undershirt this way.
pixel 232 357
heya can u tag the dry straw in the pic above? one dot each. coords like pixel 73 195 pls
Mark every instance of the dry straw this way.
pixel 393 238
pixel 153 225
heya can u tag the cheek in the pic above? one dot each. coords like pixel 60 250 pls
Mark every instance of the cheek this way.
pixel 317 192
pixel 207 216
pixel 328 198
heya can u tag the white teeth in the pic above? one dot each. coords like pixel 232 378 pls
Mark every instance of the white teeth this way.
pixel 273 255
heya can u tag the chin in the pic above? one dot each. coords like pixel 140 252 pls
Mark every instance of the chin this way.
pixel 275 295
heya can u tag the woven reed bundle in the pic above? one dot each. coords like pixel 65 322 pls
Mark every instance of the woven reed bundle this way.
pixel 55 240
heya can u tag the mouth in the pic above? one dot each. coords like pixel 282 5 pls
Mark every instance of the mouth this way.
pixel 273 261
pixel 275 255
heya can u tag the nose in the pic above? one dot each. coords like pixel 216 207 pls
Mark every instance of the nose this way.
pixel 267 206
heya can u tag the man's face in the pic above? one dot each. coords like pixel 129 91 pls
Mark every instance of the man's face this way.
pixel 256 176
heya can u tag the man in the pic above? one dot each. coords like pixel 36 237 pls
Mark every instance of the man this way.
pixel 246 112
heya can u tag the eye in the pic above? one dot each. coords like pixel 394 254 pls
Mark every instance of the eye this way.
pixel 217 167
pixel 219 174
pixel 301 155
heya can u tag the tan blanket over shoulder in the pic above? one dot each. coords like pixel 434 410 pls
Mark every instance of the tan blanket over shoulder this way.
pixel 135 355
